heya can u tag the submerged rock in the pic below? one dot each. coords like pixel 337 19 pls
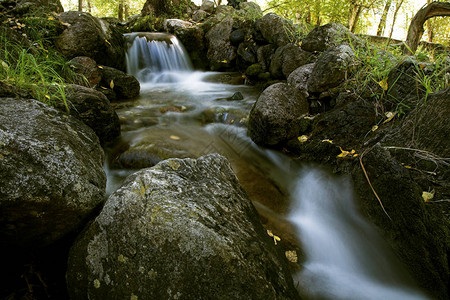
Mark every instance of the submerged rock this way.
pixel 52 176
pixel 274 116
pixel 183 229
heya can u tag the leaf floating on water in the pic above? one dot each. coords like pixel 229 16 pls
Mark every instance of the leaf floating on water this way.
pixel 384 85
pixel 174 137
pixel 111 84
pixel 389 115
pixel 291 256
pixel 303 138
pixel 427 196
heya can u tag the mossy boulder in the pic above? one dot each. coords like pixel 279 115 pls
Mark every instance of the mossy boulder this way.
pixel 183 229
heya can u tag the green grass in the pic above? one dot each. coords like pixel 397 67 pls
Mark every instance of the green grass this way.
pixel 43 73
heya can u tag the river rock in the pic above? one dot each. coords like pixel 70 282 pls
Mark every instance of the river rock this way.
pixel 93 109
pixel 52 173
pixel 207 6
pixel 288 58
pixel 428 127
pixel 92 37
pixel 324 37
pixel 88 70
pixel 274 116
pixel 220 51
pixel 171 25
pixel 199 15
pixel 250 10
pixel 275 29
pixel 183 229
pixel 404 82
pixel 331 68
pixel 299 77
pixel 125 86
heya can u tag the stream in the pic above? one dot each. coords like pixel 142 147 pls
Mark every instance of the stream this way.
pixel 186 113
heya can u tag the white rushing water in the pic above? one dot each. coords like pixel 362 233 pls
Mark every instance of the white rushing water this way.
pixel 345 257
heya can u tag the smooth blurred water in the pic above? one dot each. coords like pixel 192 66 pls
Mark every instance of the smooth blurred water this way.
pixel 345 258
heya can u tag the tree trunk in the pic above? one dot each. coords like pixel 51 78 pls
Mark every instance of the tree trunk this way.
pixel 127 13
pixel 394 18
pixel 80 5
pixel 89 6
pixel 382 24
pixel 415 31
pixel 430 27
pixel 120 13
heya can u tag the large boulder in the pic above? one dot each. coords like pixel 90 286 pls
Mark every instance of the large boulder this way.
pixel 264 54
pixel 220 51
pixel 404 82
pixel 52 177
pixel 124 85
pixel 288 58
pixel 324 37
pixel 331 68
pixel 275 115
pixel 275 29
pixel 93 109
pixel 92 37
pixel 183 229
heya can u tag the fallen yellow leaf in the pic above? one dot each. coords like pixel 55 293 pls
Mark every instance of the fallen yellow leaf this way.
pixel 374 127
pixel 303 138
pixel 427 196
pixel 327 141
pixel 389 115
pixel 111 84
pixel 291 256
pixel 384 85
pixel 174 137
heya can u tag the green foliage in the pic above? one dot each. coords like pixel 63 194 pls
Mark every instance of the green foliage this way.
pixel 40 71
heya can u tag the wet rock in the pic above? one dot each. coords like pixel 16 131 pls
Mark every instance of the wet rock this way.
pixel 275 29
pixel 171 25
pixel 264 55
pixel 331 68
pixel 86 67
pixel 253 71
pixel 236 97
pixel 220 51
pixel 288 58
pixel 124 85
pixel 404 85
pixel 92 37
pixel 274 116
pixel 299 77
pixel 52 173
pixel 93 109
pixel 324 37
pixel 183 229
pixel 246 54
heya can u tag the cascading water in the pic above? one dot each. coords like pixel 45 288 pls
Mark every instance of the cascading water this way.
pixel 156 57
pixel 345 258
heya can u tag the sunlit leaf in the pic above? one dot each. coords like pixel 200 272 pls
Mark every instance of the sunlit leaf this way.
pixel 327 141
pixel 303 138
pixel 374 127
pixel 275 238
pixel 384 85
pixel 291 256
pixel 47 96
pixel 389 115
pixel 427 196
pixel 111 84
pixel 345 153
pixel 100 67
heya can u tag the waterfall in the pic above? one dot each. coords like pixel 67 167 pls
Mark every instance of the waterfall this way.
pixel 345 257
pixel 156 57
